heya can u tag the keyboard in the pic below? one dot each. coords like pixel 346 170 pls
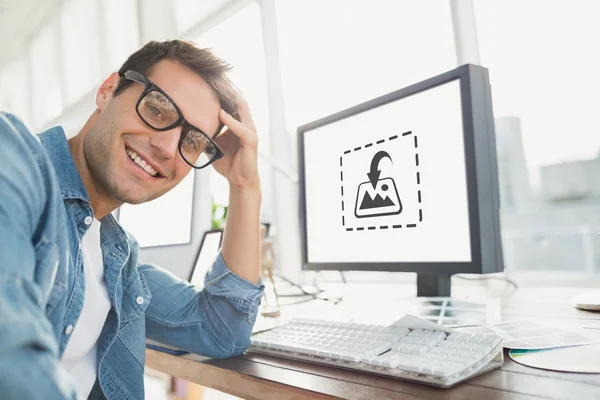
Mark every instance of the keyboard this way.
pixel 413 349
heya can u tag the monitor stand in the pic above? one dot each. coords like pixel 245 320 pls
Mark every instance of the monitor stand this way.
pixel 433 303
pixel 430 285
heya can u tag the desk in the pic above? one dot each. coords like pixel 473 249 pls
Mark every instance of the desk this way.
pixel 257 376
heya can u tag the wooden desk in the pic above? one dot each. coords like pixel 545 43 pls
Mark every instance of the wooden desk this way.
pixel 255 376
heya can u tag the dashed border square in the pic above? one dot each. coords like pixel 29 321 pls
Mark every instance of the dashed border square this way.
pixel 418 177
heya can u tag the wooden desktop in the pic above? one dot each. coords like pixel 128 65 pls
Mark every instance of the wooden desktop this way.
pixel 256 376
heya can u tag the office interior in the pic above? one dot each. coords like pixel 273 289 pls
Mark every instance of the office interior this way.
pixel 299 61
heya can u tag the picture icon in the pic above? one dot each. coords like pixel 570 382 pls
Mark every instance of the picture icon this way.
pixel 377 197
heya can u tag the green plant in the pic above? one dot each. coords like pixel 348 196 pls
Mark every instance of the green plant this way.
pixel 219 215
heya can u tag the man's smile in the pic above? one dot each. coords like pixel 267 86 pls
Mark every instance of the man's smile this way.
pixel 142 163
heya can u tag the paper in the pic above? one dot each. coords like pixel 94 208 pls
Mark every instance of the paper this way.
pixel 412 322
pixel 531 335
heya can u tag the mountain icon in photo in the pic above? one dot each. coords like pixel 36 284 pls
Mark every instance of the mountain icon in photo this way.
pixel 378 201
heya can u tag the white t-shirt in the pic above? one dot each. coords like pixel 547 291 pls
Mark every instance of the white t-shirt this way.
pixel 80 354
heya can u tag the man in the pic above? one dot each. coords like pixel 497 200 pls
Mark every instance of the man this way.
pixel 75 302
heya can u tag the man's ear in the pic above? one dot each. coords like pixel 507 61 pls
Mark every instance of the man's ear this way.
pixel 105 91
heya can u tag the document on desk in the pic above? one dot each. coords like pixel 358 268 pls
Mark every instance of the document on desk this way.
pixel 529 335
pixel 412 322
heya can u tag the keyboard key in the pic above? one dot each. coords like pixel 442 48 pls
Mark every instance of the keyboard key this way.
pixel 390 363
pixel 416 332
pixel 373 361
pixel 418 349
pixel 426 333
pixel 410 340
pixel 407 348
pixel 439 336
pixel 351 356
pixel 484 347
pixel 382 346
pixel 413 364
pixel 493 339
pixel 438 350
pixel 475 354
pixel 399 331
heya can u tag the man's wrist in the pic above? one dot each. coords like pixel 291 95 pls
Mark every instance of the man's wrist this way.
pixel 247 194
pixel 247 191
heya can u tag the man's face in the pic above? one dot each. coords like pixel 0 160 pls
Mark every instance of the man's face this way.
pixel 119 131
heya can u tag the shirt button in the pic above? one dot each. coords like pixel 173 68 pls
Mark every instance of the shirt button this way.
pixel 88 220
pixel 139 300
pixel 69 329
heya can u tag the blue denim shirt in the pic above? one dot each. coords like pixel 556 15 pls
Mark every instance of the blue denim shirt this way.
pixel 43 211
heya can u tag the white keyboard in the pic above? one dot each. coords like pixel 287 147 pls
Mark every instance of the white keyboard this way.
pixel 429 356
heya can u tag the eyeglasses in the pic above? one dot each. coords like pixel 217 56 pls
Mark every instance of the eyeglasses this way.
pixel 160 113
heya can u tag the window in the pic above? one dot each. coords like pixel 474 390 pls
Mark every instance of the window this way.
pixel 190 12
pixel 545 78
pixel 336 54
pixel 163 221
pixel 238 40
pixel 46 77
pixel 14 89
pixel 121 31
pixel 80 45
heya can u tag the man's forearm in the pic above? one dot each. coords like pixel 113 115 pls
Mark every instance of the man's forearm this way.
pixel 241 241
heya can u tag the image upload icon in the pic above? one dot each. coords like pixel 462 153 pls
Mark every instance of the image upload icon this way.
pixel 381 184
pixel 377 197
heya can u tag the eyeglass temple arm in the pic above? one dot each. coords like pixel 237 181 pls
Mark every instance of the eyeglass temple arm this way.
pixel 219 129
pixel 135 76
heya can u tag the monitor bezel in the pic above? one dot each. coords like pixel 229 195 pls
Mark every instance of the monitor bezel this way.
pixel 481 172
pixel 204 236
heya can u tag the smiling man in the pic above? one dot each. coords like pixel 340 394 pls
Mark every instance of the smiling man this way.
pixel 76 304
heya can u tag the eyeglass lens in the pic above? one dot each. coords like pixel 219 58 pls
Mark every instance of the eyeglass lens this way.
pixel 159 112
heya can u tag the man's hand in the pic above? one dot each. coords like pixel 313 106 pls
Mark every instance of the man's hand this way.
pixel 241 247
pixel 239 142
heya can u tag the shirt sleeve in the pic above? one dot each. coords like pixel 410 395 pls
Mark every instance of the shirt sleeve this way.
pixel 215 321
pixel 29 363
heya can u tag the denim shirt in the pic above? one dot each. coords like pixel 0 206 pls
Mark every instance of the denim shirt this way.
pixel 44 213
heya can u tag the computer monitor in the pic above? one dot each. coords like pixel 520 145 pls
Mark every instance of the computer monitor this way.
pixel 207 253
pixel 405 182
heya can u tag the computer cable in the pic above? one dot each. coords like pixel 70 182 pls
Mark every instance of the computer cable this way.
pixel 320 294
pixel 301 287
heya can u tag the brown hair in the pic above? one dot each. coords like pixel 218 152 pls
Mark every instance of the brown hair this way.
pixel 202 61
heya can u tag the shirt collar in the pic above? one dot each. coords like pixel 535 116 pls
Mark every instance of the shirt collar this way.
pixel 55 142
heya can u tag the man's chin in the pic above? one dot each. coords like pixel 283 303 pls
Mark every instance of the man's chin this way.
pixel 136 199
pixel 129 196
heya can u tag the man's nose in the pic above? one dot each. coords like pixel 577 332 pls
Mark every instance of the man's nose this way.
pixel 166 142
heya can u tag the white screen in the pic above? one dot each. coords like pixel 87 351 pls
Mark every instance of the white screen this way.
pixel 206 257
pixel 418 147
pixel 152 226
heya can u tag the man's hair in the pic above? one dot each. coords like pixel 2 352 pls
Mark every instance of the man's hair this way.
pixel 202 61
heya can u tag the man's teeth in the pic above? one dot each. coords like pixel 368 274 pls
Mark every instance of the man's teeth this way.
pixel 136 159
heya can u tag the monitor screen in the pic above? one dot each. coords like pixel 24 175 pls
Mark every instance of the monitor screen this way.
pixel 209 249
pixel 389 184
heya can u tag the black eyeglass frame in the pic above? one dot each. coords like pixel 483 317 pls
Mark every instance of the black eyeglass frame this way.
pixel 150 86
